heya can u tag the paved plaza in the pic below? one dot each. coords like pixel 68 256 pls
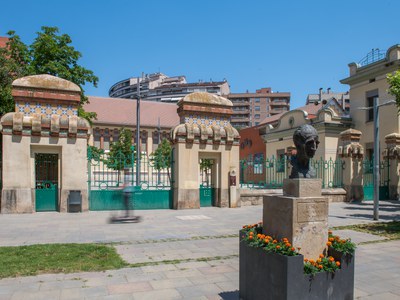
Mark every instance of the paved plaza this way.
pixel 207 234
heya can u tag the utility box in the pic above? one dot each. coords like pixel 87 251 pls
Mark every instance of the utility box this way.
pixel 74 201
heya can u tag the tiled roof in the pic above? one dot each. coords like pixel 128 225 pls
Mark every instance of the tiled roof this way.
pixel 311 109
pixel 122 112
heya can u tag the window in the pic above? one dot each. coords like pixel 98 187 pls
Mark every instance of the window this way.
pixel 256 116
pixel 256 108
pixel 257 100
pixel 256 123
pixel 370 96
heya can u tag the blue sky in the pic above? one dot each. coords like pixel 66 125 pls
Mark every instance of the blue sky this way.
pixel 292 46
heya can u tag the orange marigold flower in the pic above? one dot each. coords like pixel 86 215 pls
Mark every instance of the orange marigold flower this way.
pixel 312 261
pixel 288 244
pixel 266 241
pixel 306 260
pixel 263 236
pixel 292 249
pixel 331 239
pixel 251 233
pixel 338 263
pixel 298 248
pixel 274 241
pixel 331 259
pixel 278 247
pixel 321 256
pixel 329 244
pixel 320 267
pixel 259 235
pixel 329 232
pixel 250 237
pixel 268 237
pixel 319 260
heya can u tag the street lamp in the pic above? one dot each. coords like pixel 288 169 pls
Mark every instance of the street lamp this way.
pixel 376 151
pixel 138 133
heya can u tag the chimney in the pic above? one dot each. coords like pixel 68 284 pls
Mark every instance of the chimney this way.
pixel 320 94
pixel 328 90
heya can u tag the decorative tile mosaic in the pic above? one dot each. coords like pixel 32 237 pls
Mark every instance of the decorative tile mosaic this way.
pixel 206 120
pixel 29 108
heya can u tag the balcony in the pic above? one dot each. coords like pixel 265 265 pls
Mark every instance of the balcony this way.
pixel 241 111
pixel 279 103
pixel 240 103
pixel 240 119
pixel 278 110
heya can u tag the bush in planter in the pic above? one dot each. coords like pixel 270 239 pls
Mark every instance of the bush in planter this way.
pixel 271 269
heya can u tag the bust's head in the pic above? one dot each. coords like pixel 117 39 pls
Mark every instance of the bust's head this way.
pixel 306 141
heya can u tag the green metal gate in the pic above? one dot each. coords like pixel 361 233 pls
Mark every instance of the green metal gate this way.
pixel 207 194
pixel 46 185
pixel 107 176
pixel 206 188
pixel 368 179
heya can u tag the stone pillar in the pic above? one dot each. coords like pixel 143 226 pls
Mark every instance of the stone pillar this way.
pixel 392 152
pixel 300 215
pixel 45 122
pixel 205 132
pixel 351 152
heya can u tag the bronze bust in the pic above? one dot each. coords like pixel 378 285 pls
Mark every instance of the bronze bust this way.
pixel 306 141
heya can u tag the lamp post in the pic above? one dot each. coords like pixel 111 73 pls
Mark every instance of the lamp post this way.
pixel 138 133
pixel 376 151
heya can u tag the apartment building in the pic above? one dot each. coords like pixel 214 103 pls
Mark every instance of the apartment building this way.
pixel 162 88
pixel 249 109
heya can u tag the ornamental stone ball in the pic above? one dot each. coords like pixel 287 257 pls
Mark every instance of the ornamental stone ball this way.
pixel 306 141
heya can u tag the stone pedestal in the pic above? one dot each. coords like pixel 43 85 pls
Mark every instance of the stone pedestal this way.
pixel 300 215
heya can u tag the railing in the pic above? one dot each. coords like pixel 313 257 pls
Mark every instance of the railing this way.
pixel 105 172
pixel 269 173
pixel 373 56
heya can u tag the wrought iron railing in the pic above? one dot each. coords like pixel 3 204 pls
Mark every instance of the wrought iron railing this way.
pixel 269 173
pixel 373 56
pixel 106 172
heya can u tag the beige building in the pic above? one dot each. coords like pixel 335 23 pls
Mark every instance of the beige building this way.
pixel 44 147
pixel 329 120
pixel 367 81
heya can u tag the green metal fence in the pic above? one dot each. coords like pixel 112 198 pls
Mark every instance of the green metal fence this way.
pixel 368 179
pixel 269 173
pixel 106 177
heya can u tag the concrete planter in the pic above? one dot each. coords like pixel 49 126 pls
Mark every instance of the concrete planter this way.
pixel 265 275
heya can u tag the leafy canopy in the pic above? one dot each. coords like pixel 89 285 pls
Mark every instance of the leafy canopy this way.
pixel 50 53
pixel 394 86
pixel 121 153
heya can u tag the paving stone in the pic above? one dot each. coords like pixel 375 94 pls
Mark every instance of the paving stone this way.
pixel 199 290
pixel 159 294
pixel 170 283
pixel 55 294
pixel 129 288
pixel 81 293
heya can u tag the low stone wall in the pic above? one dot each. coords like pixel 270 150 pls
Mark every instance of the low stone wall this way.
pixel 255 197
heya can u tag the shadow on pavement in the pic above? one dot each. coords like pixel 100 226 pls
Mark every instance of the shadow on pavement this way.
pixel 234 295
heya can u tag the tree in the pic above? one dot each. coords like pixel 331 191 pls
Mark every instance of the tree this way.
pixel 121 153
pixel 394 86
pixel 161 158
pixel 205 166
pixel 50 53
